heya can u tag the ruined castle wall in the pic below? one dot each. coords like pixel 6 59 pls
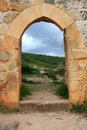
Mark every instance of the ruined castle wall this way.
pixel 76 53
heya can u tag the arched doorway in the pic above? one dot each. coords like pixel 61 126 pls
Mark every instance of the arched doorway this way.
pixel 73 47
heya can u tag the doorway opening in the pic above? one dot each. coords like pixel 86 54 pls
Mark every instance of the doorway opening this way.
pixel 43 63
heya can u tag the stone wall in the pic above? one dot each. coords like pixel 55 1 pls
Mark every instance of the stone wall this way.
pixel 10 9
pixel 13 12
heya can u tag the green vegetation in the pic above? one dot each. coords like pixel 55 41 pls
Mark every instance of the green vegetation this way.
pixel 25 90
pixel 52 75
pixel 5 109
pixel 31 65
pixel 80 108
pixel 62 90
pixel 43 61
pixel 58 88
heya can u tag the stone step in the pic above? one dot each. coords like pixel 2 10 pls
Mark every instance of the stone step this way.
pixel 46 106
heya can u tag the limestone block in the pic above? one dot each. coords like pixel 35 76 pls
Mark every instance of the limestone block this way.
pixel 9 125
pixel 79 75
pixel 77 97
pixel 77 65
pixel 16 7
pixel 3 30
pixel 33 2
pixel 82 65
pixel 1 18
pixel 27 17
pixel 62 19
pixel 49 1
pixel 3 5
pixel 47 9
pixel 10 16
pixel 74 15
pixel 12 65
pixel 68 49
pixel 4 56
pixel 12 77
pixel 83 86
pixel 73 65
pixel 3 67
pixel 79 53
pixel 85 5
pixel 14 56
pixel 9 43
pixel 2 85
pixel 72 43
pixel 2 76
pixel 73 85
pixel 82 27
pixel 11 85
pixel 83 13
pixel 72 33
pixel 12 97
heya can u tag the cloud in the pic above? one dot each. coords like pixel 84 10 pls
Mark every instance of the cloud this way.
pixel 43 38
pixel 30 43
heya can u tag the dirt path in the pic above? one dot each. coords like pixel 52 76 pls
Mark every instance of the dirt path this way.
pixel 47 121
pixel 43 95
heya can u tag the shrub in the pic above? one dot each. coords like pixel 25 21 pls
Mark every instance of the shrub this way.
pixel 4 109
pixel 52 75
pixel 62 90
pixel 25 90
pixel 61 71
pixel 26 68
pixel 80 108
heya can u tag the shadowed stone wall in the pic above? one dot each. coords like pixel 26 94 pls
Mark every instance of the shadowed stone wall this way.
pixel 16 16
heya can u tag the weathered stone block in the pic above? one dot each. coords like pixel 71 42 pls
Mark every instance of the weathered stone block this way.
pixel 79 53
pixel 77 97
pixel 74 15
pixel 11 85
pixel 33 2
pixel 2 67
pixel 81 75
pixel 11 77
pixel 9 43
pixel 4 56
pixel 49 1
pixel 73 85
pixel 16 7
pixel 72 33
pixel 12 65
pixel 2 86
pixel 9 125
pixel 73 66
pixel 9 17
pixel 3 5
pixel 2 76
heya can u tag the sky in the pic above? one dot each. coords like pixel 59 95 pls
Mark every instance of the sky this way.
pixel 43 38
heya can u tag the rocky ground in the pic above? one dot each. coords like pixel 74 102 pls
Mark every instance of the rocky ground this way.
pixel 46 121
pixel 58 120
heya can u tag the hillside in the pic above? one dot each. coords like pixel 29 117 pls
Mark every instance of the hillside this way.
pixel 43 61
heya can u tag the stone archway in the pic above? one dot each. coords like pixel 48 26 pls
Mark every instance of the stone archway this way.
pixel 75 53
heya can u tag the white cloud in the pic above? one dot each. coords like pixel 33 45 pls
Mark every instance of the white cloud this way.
pixel 43 38
pixel 31 43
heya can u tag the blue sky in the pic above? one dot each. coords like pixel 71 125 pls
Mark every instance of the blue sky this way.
pixel 43 38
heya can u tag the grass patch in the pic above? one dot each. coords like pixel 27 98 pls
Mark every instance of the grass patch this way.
pixel 4 109
pixel 80 108
pixel 25 90
pixel 62 90
pixel 52 75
